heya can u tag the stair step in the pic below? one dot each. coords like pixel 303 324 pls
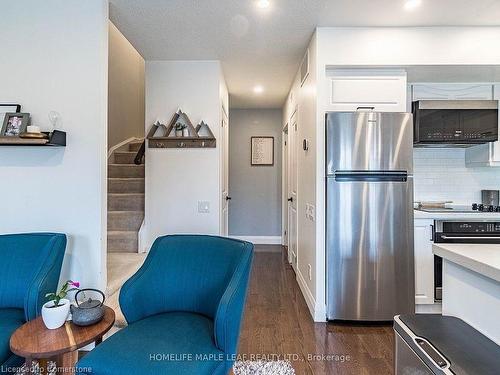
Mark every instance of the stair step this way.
pixel 123 242
pixel 134 146
pixel 125 220
pixel 126 202
pixel 125 170
pixel 121 266
pixel 125 157
pixel 125 185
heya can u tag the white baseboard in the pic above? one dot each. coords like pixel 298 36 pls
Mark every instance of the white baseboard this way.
pixel 306 292
pixel 260 240
pixel 318 313
pixel 142 238
pixel 121 144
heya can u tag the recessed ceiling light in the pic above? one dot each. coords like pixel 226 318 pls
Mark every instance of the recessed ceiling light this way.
pixel 412 4
pixel 258 89
pixel 263 4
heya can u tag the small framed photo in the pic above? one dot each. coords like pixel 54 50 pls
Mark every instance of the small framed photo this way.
pixel 262 151
pixel 14 124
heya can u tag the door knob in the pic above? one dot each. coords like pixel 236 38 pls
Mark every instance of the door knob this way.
pixel 290 199
pixel 228 198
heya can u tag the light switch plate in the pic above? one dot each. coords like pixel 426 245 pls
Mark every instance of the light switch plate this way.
pixel 203 207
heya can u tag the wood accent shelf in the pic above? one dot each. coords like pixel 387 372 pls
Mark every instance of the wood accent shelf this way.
pixel 194 141
pixel 56 139
pixel 181 142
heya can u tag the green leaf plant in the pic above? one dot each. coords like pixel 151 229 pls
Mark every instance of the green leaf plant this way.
pixel 69 286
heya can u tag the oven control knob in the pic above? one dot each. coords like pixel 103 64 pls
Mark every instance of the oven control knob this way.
pixel 480 207
pixel 491 208
pixel 497 209
pixel 474 206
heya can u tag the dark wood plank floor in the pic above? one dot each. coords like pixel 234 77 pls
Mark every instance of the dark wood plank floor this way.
pixel 277 325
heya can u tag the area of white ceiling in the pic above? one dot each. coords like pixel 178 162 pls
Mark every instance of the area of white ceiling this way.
pixel 265 46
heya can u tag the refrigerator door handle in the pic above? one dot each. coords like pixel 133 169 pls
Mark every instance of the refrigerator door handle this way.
pixel 361 172
pixel 372 177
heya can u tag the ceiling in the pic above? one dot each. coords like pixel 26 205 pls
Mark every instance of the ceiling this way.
pixel 265 46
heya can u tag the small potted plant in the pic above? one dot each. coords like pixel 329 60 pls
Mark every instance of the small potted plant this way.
pixel 56 310
pixel 180 129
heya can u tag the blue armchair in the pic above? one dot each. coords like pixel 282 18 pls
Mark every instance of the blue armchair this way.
pixel 29 269
pixel 183 308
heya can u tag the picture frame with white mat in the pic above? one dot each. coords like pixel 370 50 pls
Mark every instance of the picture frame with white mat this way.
pixel 8 108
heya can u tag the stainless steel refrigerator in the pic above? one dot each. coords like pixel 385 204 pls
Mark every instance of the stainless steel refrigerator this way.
pixel 369 234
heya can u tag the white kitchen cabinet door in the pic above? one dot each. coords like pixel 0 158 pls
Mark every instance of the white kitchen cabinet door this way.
pixel 452 91
pixel 424 262
pixel 365 90
pixel 487 155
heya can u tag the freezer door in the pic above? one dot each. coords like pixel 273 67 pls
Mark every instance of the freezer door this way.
pixel 370 264
pixel 364 141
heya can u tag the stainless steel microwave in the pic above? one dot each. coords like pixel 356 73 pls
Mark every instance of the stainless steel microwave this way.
pixel 454 123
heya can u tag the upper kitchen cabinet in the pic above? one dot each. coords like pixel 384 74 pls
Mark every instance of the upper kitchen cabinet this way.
pixel 487 155
pixel 375 90
pixel 452 91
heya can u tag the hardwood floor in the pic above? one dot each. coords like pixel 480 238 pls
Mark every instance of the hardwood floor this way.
pixel 277 324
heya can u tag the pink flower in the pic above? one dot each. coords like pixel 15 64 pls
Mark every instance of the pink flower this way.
pixel 76 284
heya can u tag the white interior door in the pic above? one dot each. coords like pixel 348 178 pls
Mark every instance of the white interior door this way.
pixel 224 145
pixel 284 190
pixel 292 192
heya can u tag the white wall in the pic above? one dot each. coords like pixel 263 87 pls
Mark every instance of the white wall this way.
pixel 303 100
pixel 177 179
pixel 364 47
pixel 125 89
pixel 57 60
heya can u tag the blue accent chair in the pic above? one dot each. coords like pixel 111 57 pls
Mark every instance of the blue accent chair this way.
pixel 29 268
pixel 183 308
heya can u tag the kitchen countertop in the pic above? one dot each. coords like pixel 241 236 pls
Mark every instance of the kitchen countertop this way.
pixel 455 215
pixel 481 258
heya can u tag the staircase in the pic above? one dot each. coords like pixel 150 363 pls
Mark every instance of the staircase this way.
pixel 125 200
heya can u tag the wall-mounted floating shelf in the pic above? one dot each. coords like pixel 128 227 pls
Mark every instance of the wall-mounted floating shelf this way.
pixel 199 137
pixel 55 139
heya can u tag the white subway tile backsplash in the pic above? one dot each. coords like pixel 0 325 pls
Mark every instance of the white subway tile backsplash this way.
pixel 441 174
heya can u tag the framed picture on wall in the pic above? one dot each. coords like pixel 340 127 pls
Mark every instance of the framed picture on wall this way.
pixel 262 151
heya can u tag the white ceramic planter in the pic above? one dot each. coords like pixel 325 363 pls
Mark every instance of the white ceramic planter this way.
pixel 54 317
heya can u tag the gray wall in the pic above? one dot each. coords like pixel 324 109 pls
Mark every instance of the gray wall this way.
pixel 255 208
pixel 125 89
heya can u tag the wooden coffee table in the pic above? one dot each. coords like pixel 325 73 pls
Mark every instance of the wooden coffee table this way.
pixel 34 341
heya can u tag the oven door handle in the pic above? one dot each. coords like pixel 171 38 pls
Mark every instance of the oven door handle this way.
pixel 469 238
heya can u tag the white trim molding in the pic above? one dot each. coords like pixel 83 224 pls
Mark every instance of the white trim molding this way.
pixel 260 240
pixel 317 311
